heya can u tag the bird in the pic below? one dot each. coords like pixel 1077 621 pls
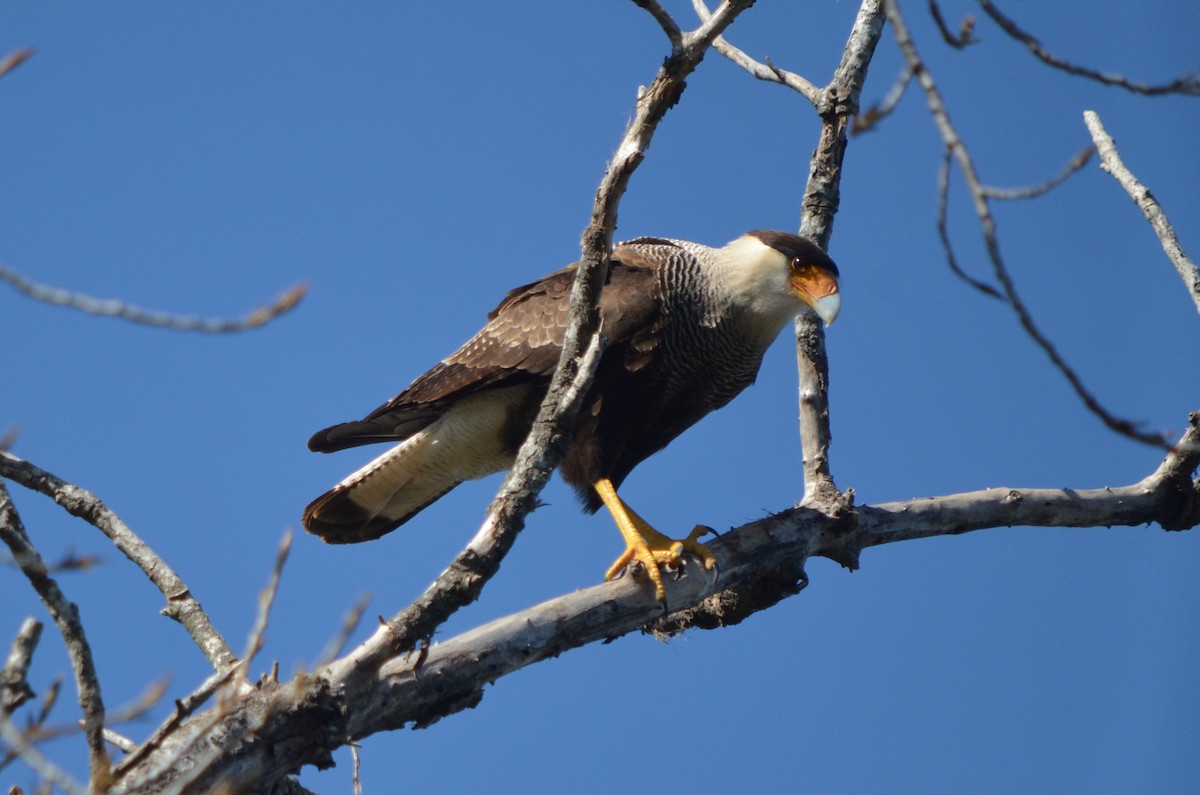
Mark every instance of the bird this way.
pixel 685 329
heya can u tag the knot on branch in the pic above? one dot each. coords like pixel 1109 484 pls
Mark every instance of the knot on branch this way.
pixel 837 540
pixel 732 606
pixel 1180 505
pixel 833 101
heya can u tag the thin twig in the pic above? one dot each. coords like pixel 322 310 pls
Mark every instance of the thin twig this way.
pixel 148 700
pixel 1110 161
pixel 66 617
pixel 1033 191
pixel 181 605
pixel 958 41
pixel 987 222
pixel 120 741
pixel 354 754
pixel 14 688
pixel 867 120
pixel 112 307
pixel 339 641
pixel 664 20
pixel 49 699
pixel 266 599
pixel 14 59
pixel 46 770
pixel 183 708
pixel 763 71
pixel 943 229
pixel 1188 84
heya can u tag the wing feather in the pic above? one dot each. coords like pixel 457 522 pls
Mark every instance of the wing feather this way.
pixel 521 344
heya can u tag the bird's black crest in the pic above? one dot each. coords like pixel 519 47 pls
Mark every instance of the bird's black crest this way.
pixel 795 247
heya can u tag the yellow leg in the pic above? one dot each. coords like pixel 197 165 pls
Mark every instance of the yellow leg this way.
pixel 645 544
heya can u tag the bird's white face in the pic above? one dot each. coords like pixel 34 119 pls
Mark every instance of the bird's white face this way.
pixel 778 288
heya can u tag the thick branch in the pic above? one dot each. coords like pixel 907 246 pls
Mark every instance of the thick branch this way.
pixel 1111 162
pixel 418 689
pixel 181 605
pixel 838 105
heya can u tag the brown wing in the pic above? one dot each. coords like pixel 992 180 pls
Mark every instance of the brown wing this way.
pixel 520 344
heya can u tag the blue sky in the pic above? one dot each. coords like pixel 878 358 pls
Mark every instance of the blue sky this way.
pixel 412 162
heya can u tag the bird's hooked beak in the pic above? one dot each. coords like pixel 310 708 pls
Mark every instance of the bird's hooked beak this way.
pixel 818 288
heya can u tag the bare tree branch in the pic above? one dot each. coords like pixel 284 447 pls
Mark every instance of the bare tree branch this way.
pixel 987 222
pixel 266 600
pixel 763 71
pixel 66 617
pixel 965 35
pixel 1033 191
pixel 357 783
pixel 46 770
pixel 181 605
pixel 184 707
pixel 14 689
pixel 838 105
pixel 867 120
pixel 943 229
pixel 14 59
pixel 112 307
pixel 119 741
pixel 1188 84
pixel 665 21
pixel 339 641
pixel 1110 161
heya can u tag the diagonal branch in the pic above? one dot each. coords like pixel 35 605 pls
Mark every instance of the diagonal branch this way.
pixel 14 59
pixel 181 605
pixel 1110 161
pixel 461 583
pixel 664 20
pixel 66 617
pixel 1188 84
pixel 867 120
pixel 48 772
pixel 14 688
pixel 111 307
pixel 763 71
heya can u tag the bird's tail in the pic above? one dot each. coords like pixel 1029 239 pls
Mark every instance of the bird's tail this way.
pixel 382 495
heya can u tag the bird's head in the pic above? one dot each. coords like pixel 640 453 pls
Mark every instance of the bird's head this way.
pixel 782 268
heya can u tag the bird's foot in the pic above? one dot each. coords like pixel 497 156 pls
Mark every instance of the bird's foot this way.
pixel 653 549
